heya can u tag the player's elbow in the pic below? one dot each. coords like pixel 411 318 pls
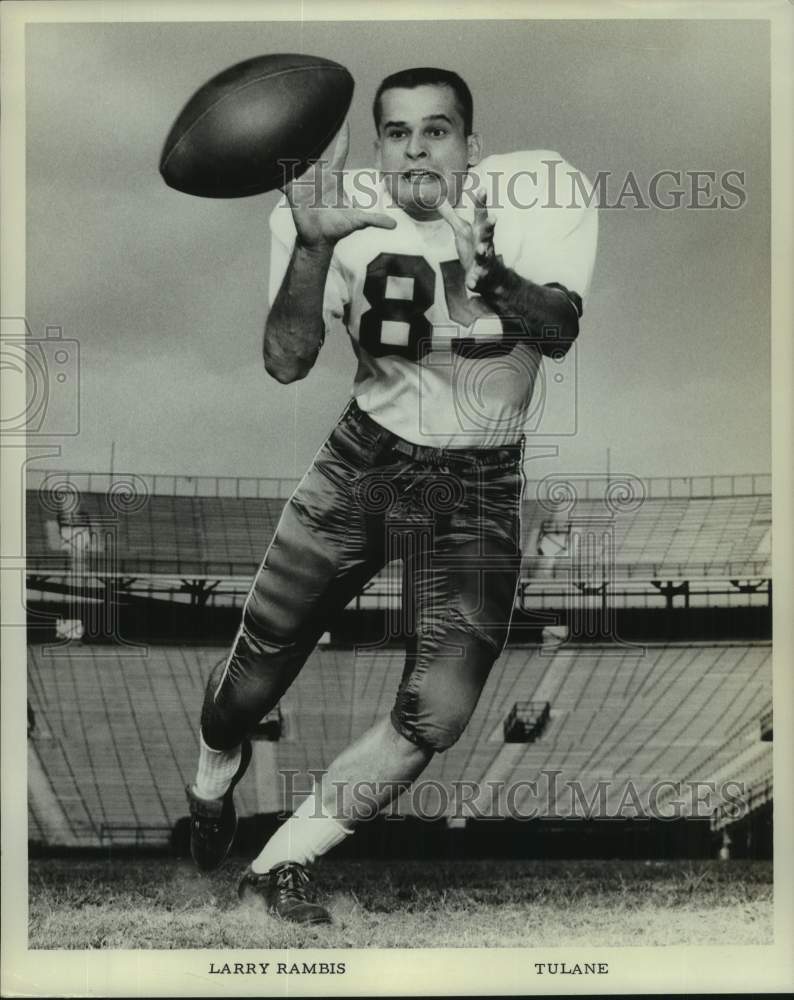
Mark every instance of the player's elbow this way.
pixel 281 365
pixel 283 373
pixel 564 313
pixel 280 375
pixel 569 327
pixel 288 353
pixel 558 333
pixel 287 368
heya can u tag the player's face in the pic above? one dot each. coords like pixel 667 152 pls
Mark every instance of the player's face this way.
pixel 422 147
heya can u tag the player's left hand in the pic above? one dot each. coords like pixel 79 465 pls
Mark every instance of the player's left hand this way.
pixel 473 240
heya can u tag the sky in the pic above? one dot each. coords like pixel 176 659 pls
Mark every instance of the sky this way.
pixel 166 294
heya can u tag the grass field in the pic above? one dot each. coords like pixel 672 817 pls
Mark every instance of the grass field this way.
pixel 157 903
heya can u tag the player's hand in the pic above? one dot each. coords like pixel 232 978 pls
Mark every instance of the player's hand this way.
pixel 473 240
pixel 322 211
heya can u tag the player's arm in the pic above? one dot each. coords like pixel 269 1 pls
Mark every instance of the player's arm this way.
pixel 294 330
pixel 549 313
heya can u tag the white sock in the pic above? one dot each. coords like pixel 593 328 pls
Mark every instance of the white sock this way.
pixel 304 837
pixel 216 768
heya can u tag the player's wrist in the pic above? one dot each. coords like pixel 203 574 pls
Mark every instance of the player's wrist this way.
pixel 495 282
pixel 314 249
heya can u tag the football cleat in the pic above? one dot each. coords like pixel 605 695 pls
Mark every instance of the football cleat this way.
pixel 282 890
pixel 213 822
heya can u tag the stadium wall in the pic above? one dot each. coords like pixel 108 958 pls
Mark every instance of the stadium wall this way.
pixel 140 620
pixel 629 839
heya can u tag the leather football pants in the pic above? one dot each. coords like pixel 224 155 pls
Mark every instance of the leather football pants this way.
pixel 451 515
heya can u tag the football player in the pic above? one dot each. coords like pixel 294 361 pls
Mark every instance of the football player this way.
pixel 453 277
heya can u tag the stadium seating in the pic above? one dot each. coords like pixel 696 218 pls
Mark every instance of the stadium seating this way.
pixel 617 715
pixel 44 547
pixel 228 535
pixel 115 738
pixel 168 534
pixel 703 534
pixel 116 730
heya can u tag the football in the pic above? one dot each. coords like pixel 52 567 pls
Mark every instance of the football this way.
pixel 233 136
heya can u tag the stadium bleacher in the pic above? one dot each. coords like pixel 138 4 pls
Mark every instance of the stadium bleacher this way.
pixel 228 535
pixel 122 728
pixel 115 737
pixel 695 532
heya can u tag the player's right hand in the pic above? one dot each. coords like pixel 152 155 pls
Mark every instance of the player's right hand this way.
pixel 322 211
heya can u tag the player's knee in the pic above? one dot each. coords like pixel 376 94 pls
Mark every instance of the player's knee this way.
pixel 434 714
pixel 436 701
pixel 220 728
pixel 243 688
pixel 443 732
pixel 434 734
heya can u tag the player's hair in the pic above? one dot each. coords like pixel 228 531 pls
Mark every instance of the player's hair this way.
pixel 428 75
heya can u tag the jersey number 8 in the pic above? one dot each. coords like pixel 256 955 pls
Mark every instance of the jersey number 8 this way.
pixel 411 311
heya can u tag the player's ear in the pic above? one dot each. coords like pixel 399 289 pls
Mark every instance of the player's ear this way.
pixel 474 142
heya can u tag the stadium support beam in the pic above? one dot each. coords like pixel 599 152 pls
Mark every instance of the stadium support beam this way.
pixel 672 590
pixel 116 583
pixel 200 591
pixel 754 587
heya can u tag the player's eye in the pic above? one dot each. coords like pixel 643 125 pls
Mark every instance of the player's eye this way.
pixel 437 131
pixel 395 133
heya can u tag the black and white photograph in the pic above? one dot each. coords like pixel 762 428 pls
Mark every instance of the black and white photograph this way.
pixel 392 404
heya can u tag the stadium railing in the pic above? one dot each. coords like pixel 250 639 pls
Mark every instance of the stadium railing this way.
pixel 133 835
pixel 587 487
pixel 161 525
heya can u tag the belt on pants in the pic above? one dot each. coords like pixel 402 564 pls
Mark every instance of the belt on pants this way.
pixel 500 455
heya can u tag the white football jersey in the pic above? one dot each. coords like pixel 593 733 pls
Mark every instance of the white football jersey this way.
pixel 435 365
